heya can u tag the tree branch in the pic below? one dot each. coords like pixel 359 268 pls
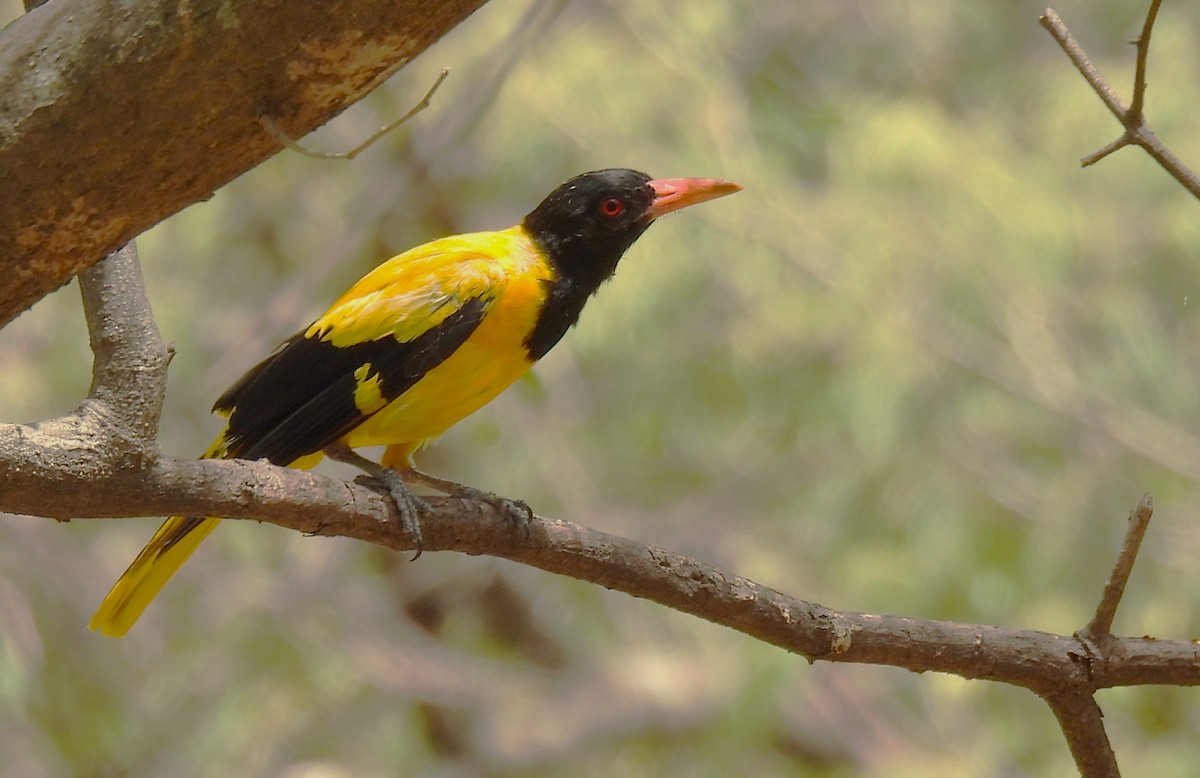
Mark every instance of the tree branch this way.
pixel 1082 723
pixel 103 461
pixel 183 85
pixel 1078 713
pixel 129 375
pixel 1057 28
pixel 319 505
pixel 270 126
pixel 89 464
pixel 1101 625
pixel 1139 73
pixel 1137 131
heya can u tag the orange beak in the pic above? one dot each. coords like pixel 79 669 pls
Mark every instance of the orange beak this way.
pixel 671 194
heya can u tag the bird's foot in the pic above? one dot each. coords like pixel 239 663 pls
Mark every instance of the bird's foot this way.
pixel 410 506
pixel 389 482
pixel 516 511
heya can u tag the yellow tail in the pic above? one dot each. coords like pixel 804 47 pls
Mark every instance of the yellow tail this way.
pixel 170 547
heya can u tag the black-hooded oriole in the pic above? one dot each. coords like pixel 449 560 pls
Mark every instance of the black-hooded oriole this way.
pixel 423 340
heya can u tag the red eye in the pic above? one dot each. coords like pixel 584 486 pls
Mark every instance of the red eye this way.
pixel 612 206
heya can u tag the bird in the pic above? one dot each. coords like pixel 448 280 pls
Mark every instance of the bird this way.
pixel 420 342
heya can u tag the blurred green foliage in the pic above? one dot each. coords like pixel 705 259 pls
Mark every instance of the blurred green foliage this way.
pixel 923 365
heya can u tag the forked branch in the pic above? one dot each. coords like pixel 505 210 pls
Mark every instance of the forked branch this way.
pixel 1137 131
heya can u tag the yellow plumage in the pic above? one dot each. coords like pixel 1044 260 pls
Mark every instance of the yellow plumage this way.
pixel 404 297
pixel 513 278
pixel 146 577
pixel 422 341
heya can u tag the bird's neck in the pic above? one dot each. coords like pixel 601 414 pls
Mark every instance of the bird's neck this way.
pixel 564 302
pixel 579 268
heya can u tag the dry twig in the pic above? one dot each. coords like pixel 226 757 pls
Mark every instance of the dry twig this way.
pixel 1137 131
pixel 269 124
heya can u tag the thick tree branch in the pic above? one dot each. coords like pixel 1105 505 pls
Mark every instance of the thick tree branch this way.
pixel 129 369
pixel 318 505
pixel 183 85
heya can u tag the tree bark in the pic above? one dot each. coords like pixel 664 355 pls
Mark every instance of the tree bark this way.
pixel 115 115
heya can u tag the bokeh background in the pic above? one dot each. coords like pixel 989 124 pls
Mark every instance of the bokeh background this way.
pixel 924 365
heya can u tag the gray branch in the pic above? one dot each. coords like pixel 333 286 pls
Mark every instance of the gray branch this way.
pixel 317 505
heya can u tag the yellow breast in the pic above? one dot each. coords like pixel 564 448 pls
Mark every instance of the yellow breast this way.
pixel 487 363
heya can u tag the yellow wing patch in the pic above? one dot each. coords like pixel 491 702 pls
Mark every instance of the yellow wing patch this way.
pixel 368 390
pixel 403 298
pixel 416 291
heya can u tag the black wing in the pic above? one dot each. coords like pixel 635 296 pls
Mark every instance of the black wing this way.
pixel 300 400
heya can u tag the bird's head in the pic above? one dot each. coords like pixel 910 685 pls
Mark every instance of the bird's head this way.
pixel 586 224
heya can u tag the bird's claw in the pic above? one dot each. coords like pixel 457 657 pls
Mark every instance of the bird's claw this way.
pixel 374 484
pixel 408 505
pixel 516 511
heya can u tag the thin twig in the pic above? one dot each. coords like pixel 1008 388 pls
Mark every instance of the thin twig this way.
pixel 1101 625
pixel 1134 117
pixel 1096 156
pixel 1137 131
pixel 270 125
pixel 1056 27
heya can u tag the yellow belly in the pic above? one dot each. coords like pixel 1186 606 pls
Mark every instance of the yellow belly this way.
pixel 485 365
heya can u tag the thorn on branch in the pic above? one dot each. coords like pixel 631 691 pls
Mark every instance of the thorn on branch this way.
pixel 1096 156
